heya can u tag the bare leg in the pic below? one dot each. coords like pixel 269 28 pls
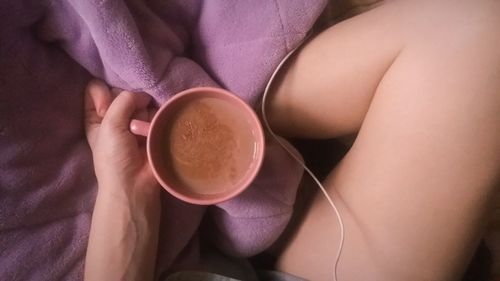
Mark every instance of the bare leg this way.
pixel 328 87
pixel 421 79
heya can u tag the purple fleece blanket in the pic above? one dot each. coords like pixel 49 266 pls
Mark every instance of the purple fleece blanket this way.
pixel 48 52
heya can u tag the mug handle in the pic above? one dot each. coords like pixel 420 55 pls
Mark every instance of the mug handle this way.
pixel 139 127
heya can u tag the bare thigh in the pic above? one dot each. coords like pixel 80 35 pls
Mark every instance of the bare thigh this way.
pixel 420 81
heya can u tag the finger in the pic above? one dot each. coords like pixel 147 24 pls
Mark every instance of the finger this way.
pixel 141 114
pixel 123 107
pixel 96 102
pixel 143 98
pixel 100 95
pixel 91 118
pixel 89 107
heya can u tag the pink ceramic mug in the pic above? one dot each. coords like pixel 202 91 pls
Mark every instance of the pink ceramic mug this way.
pixel 155 132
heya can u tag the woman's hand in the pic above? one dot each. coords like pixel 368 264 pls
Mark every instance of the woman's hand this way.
pixel 124 231
pixel 119 156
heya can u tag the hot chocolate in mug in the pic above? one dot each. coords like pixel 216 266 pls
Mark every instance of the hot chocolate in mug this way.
pixel 204 145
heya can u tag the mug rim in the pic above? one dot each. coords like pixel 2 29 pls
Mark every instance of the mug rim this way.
pixel 249 177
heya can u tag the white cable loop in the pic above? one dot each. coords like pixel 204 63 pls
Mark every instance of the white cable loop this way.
pixel 268 127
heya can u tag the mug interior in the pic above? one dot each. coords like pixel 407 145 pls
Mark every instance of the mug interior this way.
pixel 161 165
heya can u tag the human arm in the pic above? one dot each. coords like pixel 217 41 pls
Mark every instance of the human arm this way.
pixel 124 231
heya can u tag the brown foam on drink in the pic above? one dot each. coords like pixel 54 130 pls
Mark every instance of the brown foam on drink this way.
pixel 210 145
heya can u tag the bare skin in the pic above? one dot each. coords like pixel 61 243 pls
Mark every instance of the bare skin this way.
pixel 419 83
pixel 124 231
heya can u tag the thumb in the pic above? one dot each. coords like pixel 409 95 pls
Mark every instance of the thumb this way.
pixel 123 107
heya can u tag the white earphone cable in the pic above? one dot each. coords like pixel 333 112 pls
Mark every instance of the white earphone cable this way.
pixel 268 127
